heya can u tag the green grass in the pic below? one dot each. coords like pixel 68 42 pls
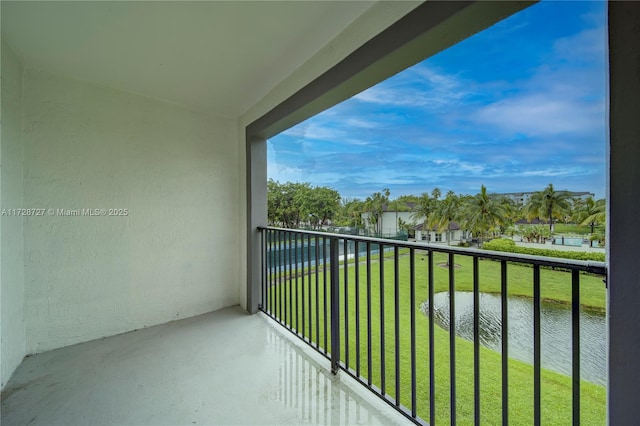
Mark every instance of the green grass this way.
pixel 556 388
pixel 561 228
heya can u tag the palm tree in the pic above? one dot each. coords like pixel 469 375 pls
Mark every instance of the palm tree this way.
pixel 484 213
pixel 435 193
pixel 447 211
pixel 591 213
pixel 422 210
pixel 549 204
pixel 374 206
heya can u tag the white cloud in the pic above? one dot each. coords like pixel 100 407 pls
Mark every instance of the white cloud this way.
pixel 316 129
pixel 542 114
pixel 420 86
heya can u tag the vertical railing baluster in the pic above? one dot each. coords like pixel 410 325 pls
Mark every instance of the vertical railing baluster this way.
pixel 382 348
pixel 536 345
pixel 290 280
pixel 346 303
pixel 412 307
pixel 324 299
pixel 265 272
pixel 296 260
pixel 302 286
pixel 369 362
pixel 317 260
pixel 356 259
pixel 476 340
pixel 432 358
pixel 505 343
pixel 575 347
pixel 310 330
pixel 280 265
pixel 334 259
pixel 287 287
pixel 263 268
pixel 396 296
pixel 452 339
pixel 272 262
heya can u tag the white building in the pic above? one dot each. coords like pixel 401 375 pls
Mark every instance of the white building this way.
pixel 523 197
pixel 388 222
pixel 435 235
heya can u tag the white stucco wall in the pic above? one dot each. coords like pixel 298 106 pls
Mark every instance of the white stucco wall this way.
pixel 11 227
pixel 390 222
pixel 173 256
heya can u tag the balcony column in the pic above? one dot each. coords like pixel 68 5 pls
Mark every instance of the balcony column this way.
pixel 623 297
pixel 256 215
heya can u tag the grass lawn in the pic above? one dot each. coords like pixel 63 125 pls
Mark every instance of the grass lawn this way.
pixel 556 388
pixel 561 228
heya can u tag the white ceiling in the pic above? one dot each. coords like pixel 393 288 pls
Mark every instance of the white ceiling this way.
pixel 218 57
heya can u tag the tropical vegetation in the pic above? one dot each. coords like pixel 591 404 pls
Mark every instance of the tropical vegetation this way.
pixel 485 215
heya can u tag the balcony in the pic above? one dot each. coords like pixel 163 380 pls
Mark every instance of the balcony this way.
pixel 163 109
pixel 225 367
pixel 368 305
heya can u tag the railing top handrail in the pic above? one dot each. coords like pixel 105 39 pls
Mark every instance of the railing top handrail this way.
pixel 599 268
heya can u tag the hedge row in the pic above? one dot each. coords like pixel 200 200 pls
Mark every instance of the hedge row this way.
pixel 503 244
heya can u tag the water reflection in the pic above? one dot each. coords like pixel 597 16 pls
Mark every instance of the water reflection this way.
pixel 317 396
pixel 555 331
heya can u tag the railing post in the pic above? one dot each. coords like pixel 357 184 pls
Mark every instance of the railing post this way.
pixel 334 262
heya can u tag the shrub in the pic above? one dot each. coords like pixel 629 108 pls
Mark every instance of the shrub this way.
pixel 503 244
pixel 500 244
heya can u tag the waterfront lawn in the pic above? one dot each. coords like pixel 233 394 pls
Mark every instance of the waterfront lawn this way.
pixel 556 388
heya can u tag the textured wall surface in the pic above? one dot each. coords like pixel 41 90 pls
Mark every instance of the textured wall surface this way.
pixel 11 249
pixel 173 255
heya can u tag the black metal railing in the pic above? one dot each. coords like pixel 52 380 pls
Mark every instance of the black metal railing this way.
pixel 323 288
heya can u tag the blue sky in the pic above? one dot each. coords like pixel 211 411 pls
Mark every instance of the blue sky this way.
pixel 516 107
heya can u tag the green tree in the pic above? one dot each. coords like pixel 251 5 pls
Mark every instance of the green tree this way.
pixel 283 206
pixel 351 211
pixel 446 211
pixel 484 213
pixel 435 193
pixel 422 211
pixel 549 204
pixel 291 203
pixel 374 206
pixel 590 212
pixel 319 204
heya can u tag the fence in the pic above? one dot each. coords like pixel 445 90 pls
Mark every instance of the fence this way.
pixel 364 316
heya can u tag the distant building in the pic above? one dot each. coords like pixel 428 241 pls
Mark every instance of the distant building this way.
pixel 388 221
pixel 435 235
pixel 523 197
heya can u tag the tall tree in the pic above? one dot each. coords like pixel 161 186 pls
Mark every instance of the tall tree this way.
pixel 549 204
pixel 374 206
pixel 446 212
pixel 319 204
pixel 435 193
pixel 422 211
pixel 590 212
pixel 484 213
pixel 351 212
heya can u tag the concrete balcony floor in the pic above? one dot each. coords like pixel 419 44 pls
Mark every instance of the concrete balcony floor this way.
pixel 225 367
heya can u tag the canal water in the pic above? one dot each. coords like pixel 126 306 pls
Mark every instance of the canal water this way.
pixel 555 331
